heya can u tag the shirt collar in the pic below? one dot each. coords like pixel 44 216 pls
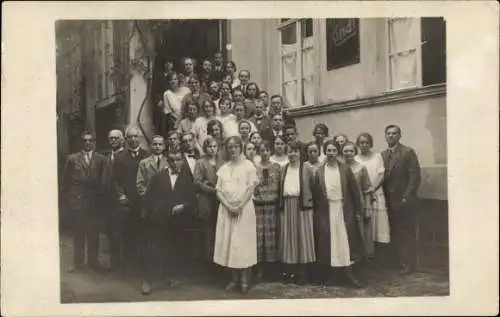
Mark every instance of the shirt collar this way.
pixel 117 151
pixel 394 147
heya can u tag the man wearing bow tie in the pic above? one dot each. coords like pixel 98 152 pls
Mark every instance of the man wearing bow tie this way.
pixel 170 193
pixel 125 169
pixel 401 181
pixel 82 190
pixel 191 154
pixel 259 119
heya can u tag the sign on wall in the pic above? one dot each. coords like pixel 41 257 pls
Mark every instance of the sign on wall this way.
pixel 342 40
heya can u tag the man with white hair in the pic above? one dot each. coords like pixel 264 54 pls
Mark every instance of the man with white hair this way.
pixel 112 212
pixel 125 168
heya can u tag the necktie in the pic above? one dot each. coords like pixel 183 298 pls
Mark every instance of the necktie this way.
pixel 87 157
pixel 158 163
pixel 191 155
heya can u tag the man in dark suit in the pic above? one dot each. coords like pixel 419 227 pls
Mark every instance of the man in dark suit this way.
pixel 170 193
pixel 125 175
pixel 244 77
pixel 278 106
pixel 218 67
pixel 276 129
pixel 83 187
pixel 112 212
pixel 401 181
pixel 190 152
pixel 259 119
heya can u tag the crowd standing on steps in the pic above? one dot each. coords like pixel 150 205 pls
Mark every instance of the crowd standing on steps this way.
pixel 228 173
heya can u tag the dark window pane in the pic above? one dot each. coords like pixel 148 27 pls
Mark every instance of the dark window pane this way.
pixel 307 28
pixel 289 34
pixel 433 51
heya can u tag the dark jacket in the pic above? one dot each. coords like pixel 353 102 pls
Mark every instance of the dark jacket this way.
pixel 125 175
pixel 160 197
pixel 401 176
pixel 351 206
pixel 205 179
pixel 262 125
pixel 306 201
pixel 82 183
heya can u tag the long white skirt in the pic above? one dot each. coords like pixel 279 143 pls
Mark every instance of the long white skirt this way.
pixel 380 219
pixel 236 238
pixel 339 243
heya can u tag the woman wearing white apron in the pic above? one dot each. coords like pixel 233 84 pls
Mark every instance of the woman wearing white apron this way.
pixel 337 206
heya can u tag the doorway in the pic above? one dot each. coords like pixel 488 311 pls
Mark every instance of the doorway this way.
pixel 176 39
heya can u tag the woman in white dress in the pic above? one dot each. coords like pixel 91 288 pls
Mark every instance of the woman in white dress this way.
pixel 236 233
pixel 375 167
pixel 172 101
pixel 279 156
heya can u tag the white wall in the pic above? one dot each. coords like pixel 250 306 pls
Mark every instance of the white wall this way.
pixel 249 47
pixel 357 80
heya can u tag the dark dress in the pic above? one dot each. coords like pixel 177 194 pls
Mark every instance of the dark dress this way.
pixel 351 208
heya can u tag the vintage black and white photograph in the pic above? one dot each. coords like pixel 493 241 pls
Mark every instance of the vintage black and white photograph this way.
pixel 284 158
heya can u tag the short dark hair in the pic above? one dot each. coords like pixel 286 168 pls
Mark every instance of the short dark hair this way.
pixel 236 139
pixel 209 139
pixel 87 132
pixel 329 142
pixel 235 90
pixel 244 121
pixel 232 64
pixel 172 133
pixel 239 103
pixel 353 145
pixel 257 90
pixel 266 144
pixel 308 144
pixel 366 135
pixel 277 96
pixel 157 136
pixel 295 146
pixel 321 126
pixel 188 133
pixel 211 124
pixel 263 92
pixel 390 126
pixel 279 137
pixel 290 126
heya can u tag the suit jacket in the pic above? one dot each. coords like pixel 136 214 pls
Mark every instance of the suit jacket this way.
pixel 110 195
pixel 186 164
pixel 160 197
pixel 264 125
pixel 205 179
pixel 306 200
pixel 240 87
pixel 351 203
pixel 125 175
pixel 82 183
pixel 147 168
pixel 401 176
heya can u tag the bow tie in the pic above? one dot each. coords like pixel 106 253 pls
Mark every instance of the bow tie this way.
pixel 190 155
pixel 174 172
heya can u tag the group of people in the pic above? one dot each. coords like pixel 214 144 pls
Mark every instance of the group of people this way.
pixel 259 198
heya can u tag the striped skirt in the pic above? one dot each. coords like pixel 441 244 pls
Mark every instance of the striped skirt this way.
pixel 296 238
pixel 266 233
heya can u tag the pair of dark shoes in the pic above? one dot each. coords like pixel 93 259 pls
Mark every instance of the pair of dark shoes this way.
pixel 290 278
pixel 232 285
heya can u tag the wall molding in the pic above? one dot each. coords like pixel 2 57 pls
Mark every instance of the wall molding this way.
pixel 396 96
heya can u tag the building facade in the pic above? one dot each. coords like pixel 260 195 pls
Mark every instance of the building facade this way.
pixel 356 75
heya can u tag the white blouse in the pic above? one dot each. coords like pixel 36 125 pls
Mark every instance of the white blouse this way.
pixel 292 182
pixel 172 101
pixel 332 183
pixel 281 161
pixel 374 165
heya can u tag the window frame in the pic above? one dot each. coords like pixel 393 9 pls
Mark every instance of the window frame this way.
pixel 417 51
pixel 299 78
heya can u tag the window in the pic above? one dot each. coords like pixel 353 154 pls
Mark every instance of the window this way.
pixel 433 51
pixel 403 45
pixel 101 62
pixel 417 53
pixel 297 61
pixel 342 41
